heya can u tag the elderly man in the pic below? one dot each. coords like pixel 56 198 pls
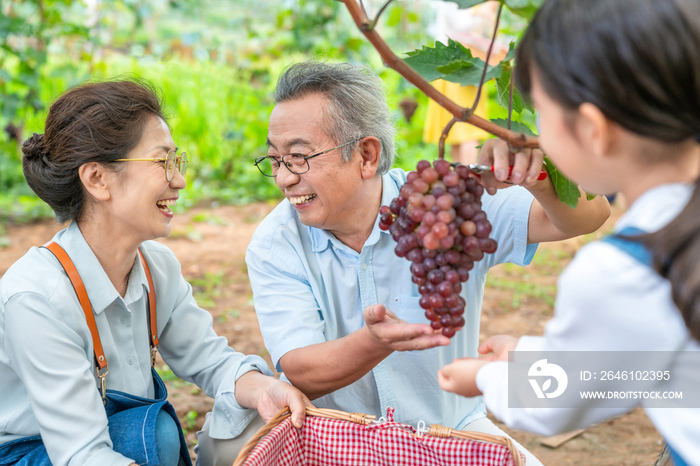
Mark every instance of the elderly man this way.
pixel 336 306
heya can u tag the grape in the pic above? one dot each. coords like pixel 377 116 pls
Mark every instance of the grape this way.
pixel 445 289
pixel 440 230
pixel 431 241
pixel 422 165
pixel 468 228
pixel 447 242
pixel 438 225
pixel 451 301
pixel 429 175
pixel 446 320
pixel 435 276
pixel 420 186
pixel 428 201
pixel 445 202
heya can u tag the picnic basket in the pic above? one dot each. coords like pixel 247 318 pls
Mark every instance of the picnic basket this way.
pixel 336 438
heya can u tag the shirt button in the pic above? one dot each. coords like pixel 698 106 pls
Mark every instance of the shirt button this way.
pixel 130 360
pixel 124 320
pixel 364 266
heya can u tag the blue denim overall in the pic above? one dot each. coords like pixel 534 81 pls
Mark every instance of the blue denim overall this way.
pixel 142 429
pixel 641 253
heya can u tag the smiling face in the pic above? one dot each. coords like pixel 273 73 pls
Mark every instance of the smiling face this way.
pixel 328 192
pixel 141 197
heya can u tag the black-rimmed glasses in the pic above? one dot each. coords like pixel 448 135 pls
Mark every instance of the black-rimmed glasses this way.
pixel 171 161
pixel 295 163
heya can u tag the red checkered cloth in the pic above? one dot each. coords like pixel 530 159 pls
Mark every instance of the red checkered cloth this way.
pixel 332 442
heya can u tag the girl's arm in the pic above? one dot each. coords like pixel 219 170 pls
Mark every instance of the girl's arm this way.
pixel 607 302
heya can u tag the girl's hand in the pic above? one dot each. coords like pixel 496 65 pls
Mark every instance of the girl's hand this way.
pixel 499 347
pixel 460 376
pixel 527 165
pixel 269 396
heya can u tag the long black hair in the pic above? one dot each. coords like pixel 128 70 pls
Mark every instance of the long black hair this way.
pixel 638 61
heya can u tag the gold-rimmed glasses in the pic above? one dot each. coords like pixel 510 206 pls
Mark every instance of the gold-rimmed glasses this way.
pixel 171 161
pixel 295 163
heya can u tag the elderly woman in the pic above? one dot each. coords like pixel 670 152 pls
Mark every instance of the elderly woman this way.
pixel 82 318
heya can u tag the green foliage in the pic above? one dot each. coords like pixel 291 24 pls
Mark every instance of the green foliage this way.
pixel 452 62
pixel 524 8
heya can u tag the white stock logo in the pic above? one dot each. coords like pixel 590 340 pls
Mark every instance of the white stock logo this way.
pixel 542 369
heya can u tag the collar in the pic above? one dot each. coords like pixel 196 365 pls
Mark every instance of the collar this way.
pixel 655 208
pixel 98 286
pixel 322 239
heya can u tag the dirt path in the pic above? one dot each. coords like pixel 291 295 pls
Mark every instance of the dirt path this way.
pixel 211 243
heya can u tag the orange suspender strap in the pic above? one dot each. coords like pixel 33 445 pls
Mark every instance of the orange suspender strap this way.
pixel 80 290
pixel 152 322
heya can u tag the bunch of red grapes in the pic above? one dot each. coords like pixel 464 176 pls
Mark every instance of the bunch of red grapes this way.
pixel 439 226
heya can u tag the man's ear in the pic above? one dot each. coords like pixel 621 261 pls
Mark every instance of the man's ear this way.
pixel 595 128
pixel 95 179
pixel 370 150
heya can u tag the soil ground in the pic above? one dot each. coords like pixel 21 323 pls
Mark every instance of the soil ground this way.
pixel 211 242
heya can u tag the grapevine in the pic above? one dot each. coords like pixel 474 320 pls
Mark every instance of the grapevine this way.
pixel 439 226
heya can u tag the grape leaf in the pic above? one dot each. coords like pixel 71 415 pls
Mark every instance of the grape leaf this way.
pixel 426 60
pixel 452 62
pixel 566 189
pixel 503 91
pixel 516 126
pixel 503 85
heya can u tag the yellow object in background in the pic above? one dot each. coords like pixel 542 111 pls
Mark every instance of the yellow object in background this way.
pixel 437 117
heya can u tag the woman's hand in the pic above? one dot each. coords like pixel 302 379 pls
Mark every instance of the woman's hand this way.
pixel 269 396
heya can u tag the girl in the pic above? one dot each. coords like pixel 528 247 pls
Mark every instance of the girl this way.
pixel 81 319
pixel 616 84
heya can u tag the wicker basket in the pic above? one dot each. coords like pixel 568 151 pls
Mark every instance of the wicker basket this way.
pixel 361 438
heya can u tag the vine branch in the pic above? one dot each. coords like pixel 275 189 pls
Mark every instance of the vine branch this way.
pixel 460 113
pixel 376 18
pixel 443 138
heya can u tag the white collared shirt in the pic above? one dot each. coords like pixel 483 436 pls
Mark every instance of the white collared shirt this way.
pixel 47 377
pixel 609 301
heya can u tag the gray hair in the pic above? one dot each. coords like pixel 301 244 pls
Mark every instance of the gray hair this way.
pixel 356 107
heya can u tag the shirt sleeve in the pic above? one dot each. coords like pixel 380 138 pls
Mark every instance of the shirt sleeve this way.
pixel 509 213
pixel 590 321
pixel 45 352
pixel 287 310
pixel 195 353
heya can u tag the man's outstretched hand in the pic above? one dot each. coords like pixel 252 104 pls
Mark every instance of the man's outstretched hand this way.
pixel 398 335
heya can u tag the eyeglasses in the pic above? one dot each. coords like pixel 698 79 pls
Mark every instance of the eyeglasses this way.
pixel 295 163
pixel 171 161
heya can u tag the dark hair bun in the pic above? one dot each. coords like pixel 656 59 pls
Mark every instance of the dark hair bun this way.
pixel 34 148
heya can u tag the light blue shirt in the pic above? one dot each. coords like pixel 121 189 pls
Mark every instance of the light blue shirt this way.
pixel 310 288
pixel 47 374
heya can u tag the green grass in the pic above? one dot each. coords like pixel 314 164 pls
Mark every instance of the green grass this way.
pixel 522 289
